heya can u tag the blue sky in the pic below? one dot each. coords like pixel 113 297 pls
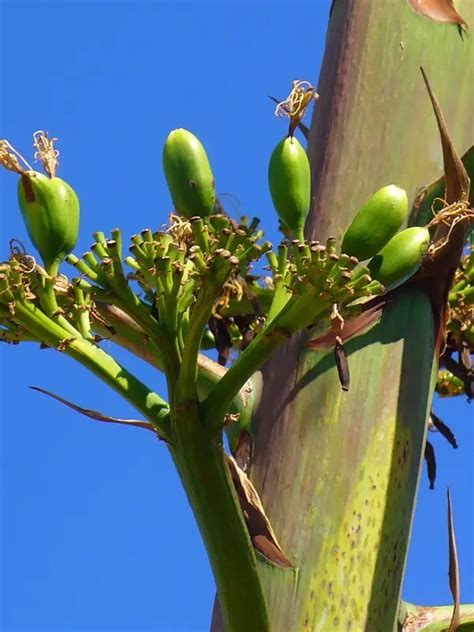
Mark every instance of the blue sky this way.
pixel 96 531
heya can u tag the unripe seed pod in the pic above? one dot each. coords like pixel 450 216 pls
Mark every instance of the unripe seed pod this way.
pixel 401 257
pixel 188 174
pixel 50 209
pixel 289 177
pixel 376 222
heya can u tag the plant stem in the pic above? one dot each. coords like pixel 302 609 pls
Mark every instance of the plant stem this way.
pixel 431 618
pixel 260 349
pixel 187 378
pixel 294 317
pixel 205 477
pixel 129 335
pixel 50 305
pixel 150 404
pixel 281 296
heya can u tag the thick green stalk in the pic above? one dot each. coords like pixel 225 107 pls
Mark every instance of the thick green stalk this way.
pixel 205 477
pixel 199 458
pixel 350 494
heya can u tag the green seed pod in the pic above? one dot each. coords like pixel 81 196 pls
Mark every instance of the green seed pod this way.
pixel 401 257
pixel 289 177
pixel 376 222
pixel 50 209
pixel 208 340
pixel 188 174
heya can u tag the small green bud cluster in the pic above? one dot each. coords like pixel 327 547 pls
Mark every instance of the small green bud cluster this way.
pixel 317 268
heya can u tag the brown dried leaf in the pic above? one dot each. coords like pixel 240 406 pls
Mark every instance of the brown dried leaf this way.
pixel 443 429
pixel 439 267
pixel 430 459
pixel 342 365
pixel 352 327
pixel 244 450
pixel 457 179
pixel 260 530
pixel 439 11
pixel 454 579
pixel 94 414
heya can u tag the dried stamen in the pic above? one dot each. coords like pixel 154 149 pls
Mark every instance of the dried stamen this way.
pixel 45 152
pixel 450 216
pixel 10 158
pixel 232 288
pixel 298 100
pixel 296 103
pixel 180 229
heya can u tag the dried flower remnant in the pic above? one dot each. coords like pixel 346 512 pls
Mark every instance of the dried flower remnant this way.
pixel 180 229
pixel 45 152
pixel 10 158
pixel 296 103
pixel 232 289
pixel 449 216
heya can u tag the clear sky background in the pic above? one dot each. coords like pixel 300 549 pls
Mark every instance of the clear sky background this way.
pixel 96 532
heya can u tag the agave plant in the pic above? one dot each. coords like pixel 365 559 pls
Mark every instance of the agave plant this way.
pixel 307 519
